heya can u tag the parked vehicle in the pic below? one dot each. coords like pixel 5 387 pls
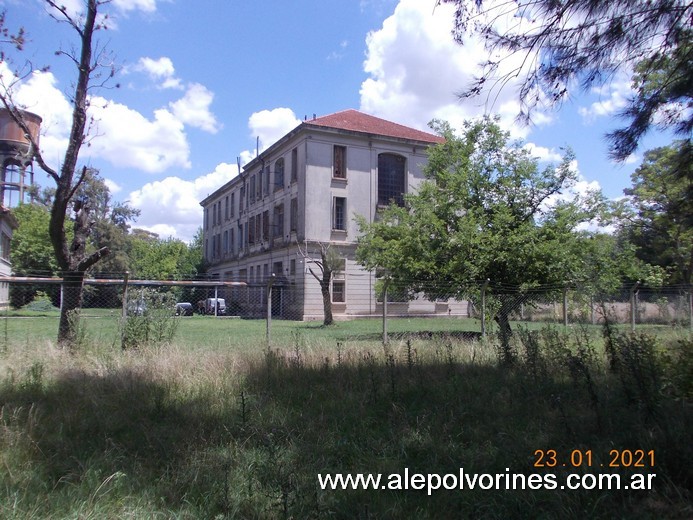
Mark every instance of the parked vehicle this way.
pixel 136 308
pixel 212 304
pixel 184 309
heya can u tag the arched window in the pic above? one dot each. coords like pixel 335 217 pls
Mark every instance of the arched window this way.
pixel 391 179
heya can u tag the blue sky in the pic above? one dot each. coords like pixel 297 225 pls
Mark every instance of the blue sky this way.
pixel 201 81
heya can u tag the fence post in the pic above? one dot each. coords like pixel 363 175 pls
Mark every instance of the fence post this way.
pixel 270 281
pixel 385 338
pixel 126 277
pixel 483 307
pixel 124 312
pixel 633 305
pixel 565 306
pixel 216 301
pixel 690 311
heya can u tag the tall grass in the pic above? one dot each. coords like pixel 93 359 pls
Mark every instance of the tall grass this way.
pixel 168 431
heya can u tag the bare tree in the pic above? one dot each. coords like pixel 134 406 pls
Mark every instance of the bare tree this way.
pixel 329 264
pixel 72 255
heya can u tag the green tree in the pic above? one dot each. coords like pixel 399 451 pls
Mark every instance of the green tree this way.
pixel 31 253
pixel 153 258
pixel 659 213
pixel 485 211
pixel 566 44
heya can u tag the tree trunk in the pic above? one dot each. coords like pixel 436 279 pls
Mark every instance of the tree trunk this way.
pixel 505 332
pixel 326 303
pixel 70 307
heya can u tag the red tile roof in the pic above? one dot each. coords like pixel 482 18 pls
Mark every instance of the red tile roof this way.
pixel 355 121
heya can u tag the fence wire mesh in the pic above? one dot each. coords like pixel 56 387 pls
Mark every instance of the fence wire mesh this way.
pixel 133 312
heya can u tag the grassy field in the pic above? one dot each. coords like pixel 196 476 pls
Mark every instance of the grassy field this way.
pixel 214 425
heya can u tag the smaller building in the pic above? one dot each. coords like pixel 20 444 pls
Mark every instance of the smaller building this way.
pixel 8 223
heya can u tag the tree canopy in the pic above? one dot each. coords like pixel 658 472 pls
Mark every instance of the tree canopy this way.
pixel 569 43
pixel 659 215
pixel 487 211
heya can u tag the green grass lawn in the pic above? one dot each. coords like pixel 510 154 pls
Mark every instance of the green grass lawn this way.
pixel 215 425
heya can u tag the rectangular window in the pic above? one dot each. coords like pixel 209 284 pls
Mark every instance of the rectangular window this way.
pixel 252 189
pixel 278 220
pixel 294 214
pixel 258 228
pixel 225 248
pixel 251 230
pixel 339 214
pixel 265 225
pixel 265 272
pixel 338 291
pixel 294 165
pixel 339 164
pixel 232 244
pixel 241 200
pixel 292 267
pixel 5 247
pixel 226 208
pixel 279 175
pixel 232 210
pixel 267 180
pixel 278 268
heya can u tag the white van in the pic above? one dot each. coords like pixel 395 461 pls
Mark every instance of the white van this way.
pixel 215 303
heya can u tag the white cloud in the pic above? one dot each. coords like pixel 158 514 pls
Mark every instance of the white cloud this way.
pixel 127 139
pixel 193 108
pixel 113 187
pixel 416 69
pixel 75 9
pixel 146 6
pixel 610 99
pixel 543 154
pixel 272 125
pixel 160 70
pixel 171 206
pixel 120 135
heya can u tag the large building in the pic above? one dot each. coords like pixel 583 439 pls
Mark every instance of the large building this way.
pixel 303 192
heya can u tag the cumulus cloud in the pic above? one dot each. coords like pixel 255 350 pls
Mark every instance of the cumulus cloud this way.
pixel 543 154
pixel 75 9
pixel 127 139
pixel 146 6
pixel 193 108
pixel 118 134
pixel 415 74
pixel 272 125
pixel 160 70
pixel 611 98
pixel 171 206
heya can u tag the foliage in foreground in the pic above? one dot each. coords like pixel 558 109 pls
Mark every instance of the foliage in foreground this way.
pixel 167 433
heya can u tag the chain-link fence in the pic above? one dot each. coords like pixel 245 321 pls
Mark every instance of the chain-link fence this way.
pixel 132 312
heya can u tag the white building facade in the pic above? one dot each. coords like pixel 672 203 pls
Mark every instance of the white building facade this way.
pixel 304 191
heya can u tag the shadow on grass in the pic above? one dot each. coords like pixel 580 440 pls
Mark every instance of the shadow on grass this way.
pixel 254 449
